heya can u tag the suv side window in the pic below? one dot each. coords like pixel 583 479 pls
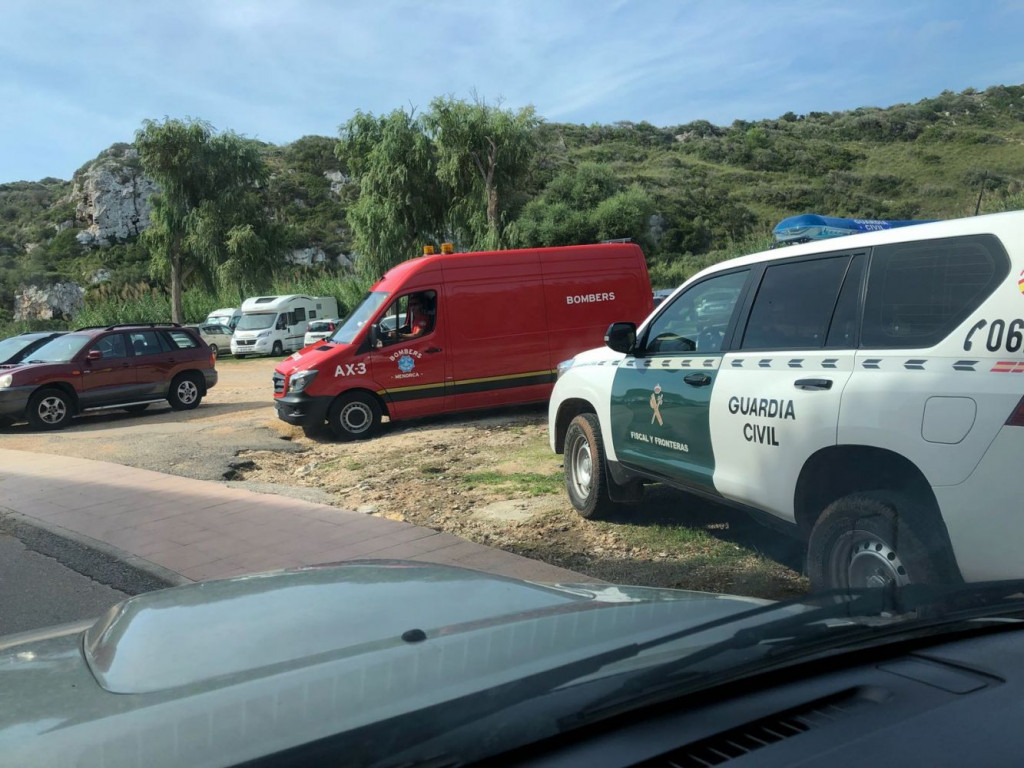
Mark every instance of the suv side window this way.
pixel 699 317
pixel 920 291
pixel 112 346
pixel 794 304
pixel 182 340
pixel 145 343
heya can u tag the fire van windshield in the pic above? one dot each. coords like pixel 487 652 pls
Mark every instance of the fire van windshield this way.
pixel 359 317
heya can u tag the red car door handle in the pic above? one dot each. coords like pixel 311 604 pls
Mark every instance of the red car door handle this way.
pixel 432 350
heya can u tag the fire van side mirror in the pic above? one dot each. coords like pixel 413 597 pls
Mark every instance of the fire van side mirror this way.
pixel 621 337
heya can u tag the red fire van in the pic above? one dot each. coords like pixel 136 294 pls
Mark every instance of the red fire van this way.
pixel 462 331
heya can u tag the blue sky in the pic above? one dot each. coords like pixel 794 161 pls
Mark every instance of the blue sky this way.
pixel 75 77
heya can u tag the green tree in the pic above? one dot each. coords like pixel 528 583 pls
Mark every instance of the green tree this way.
pixel 584 205
pixel 401 204
pixel 483 154
pixel 207 221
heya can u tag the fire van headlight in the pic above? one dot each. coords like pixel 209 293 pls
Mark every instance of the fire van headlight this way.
pixel 6 381
pixel 564 366
pixel 299 381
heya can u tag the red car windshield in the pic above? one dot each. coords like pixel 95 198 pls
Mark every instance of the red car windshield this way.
pixel 60 350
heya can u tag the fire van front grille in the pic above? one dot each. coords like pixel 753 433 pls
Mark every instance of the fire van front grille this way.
pixel 278 383
pixel 245 342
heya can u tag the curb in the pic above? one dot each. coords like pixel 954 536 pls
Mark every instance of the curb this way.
pixel 103 559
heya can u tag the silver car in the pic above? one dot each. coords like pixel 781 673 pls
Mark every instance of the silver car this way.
pixel 217 336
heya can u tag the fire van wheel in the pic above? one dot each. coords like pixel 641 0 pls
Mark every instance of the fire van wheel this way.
pixel 863 541
pixel 278 349
pixel 49 409
pixel 354 417
pixel 586 477
pixel 185 392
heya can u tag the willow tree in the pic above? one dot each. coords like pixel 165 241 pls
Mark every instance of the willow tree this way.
pixel 207 222
pixel 484 153
pixel 400 204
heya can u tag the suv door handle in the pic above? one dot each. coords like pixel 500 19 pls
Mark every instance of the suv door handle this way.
pixel 432 350
pixel 697 379
pixel 813 385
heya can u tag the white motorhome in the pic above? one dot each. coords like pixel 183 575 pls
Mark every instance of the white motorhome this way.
pixel 228 316
pixel 274 325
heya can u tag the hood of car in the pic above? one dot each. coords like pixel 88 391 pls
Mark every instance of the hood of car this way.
pixel 362 612
pixel 311 357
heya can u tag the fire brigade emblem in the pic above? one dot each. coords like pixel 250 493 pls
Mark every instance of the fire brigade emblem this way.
pixel 1020 282
pixel 656 400
pixel 406 363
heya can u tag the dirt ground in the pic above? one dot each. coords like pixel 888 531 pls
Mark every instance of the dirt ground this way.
pixel 487 478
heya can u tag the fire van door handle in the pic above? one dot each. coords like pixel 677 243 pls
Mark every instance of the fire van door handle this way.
pixel 697 379
pixel 432 350
pixel 814 385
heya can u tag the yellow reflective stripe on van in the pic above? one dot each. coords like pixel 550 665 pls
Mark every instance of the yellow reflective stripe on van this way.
pixel 466 386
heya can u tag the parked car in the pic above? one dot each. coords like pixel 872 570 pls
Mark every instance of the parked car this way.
pixel 318 330
pixel 126 366
pixel 856 392
pixel 216 335
pixel 18 348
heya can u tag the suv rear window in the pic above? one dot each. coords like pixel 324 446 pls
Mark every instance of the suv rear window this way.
pixel 918 292
pixel 183 339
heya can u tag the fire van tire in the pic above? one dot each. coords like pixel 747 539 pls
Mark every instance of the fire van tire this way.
pixel 586 476
pixel 355 416
pixel 864 541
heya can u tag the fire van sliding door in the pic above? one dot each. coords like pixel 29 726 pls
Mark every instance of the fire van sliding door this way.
pixel 499 339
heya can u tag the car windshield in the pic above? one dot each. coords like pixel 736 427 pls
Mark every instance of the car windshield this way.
pixel 12 346
pixel 256 321
pixel 61 349
pixel 360 315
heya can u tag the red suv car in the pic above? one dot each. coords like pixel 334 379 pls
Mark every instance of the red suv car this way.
pixel 119 366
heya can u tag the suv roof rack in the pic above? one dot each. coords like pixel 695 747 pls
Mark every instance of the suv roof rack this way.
pixel 127 325
pixel 143 325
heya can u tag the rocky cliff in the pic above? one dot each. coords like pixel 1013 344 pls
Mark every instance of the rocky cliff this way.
pixel 111 196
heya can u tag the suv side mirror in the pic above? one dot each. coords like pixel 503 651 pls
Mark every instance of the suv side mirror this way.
pixel 621 337
pixel 94 354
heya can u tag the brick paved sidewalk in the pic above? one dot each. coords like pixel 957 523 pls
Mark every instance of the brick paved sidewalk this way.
pixel 205 530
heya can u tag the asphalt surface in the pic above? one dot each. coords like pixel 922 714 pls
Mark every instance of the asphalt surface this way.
pixel 38 591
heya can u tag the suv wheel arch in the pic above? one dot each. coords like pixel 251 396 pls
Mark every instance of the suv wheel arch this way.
pixel 838 472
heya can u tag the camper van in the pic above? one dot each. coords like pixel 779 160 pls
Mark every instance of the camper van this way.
pixel 461 331
pixel 228 316
pixel 274 325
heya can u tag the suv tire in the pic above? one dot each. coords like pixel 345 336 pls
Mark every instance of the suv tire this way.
pixel 185 393
pixel 50 409
pixel 354 417
pixel 586 477
pixel 863 541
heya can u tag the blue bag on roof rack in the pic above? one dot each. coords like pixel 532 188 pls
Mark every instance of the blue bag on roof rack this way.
pixel 811 226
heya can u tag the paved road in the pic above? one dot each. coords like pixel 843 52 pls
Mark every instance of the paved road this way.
pixel 38 591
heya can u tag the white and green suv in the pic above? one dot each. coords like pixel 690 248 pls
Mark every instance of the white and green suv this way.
pixel 864 391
